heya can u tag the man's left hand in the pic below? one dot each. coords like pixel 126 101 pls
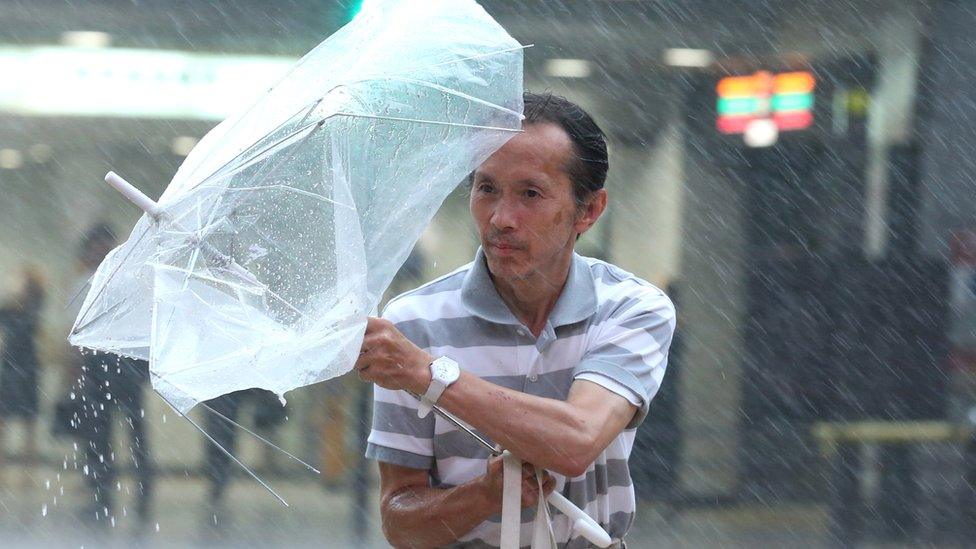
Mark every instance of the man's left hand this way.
pixel 392 361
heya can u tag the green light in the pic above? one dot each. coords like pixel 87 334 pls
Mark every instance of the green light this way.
pixel 737 105
pixel 793 102
pixel 355 6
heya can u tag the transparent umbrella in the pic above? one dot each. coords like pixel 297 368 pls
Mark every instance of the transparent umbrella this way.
pixel 283 227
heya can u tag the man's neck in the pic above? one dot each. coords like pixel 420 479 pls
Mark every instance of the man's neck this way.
pixel 532 299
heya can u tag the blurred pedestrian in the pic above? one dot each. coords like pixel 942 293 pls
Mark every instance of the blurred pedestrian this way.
pixel 269 414
pixel 110 385
pixel 19 324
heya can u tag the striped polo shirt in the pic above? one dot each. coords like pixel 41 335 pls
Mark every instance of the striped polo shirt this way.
pixel 608 326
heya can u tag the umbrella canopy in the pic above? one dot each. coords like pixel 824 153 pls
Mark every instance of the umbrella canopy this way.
pixel 285 225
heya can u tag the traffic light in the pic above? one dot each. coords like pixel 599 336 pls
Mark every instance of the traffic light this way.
pixel 785 98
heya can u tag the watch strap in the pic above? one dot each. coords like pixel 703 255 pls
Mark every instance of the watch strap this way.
pixel 434 392
pixel 425 407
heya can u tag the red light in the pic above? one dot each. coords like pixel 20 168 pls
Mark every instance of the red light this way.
pixel 793 120
pixel 733 124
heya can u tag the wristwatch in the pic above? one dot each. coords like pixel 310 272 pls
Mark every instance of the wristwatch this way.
pixel 443 372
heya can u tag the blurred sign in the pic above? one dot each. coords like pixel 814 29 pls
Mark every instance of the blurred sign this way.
pixel 132 83
pixel 786 99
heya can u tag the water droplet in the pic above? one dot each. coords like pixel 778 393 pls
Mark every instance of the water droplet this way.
pixel 44 510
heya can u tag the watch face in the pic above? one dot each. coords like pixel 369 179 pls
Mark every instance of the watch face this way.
pixel 445 370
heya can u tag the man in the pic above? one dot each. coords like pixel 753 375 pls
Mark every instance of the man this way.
pixel 559 355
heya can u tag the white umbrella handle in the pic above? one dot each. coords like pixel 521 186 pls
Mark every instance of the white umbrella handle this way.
pixel 134 195
pixel 152 208
pixel 582 523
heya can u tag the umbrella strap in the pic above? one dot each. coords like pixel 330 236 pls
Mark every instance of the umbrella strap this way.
pixel 511 500
pixel 542 536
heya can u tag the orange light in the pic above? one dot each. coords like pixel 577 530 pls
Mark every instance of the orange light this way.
pixel 794 82
pixel 759 84
pixel 738 86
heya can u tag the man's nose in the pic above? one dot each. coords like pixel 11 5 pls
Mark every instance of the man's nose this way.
pixel 504 217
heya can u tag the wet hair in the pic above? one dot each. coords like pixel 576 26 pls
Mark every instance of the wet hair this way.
pixel 96 234
pixel 32 294
pixel 588 167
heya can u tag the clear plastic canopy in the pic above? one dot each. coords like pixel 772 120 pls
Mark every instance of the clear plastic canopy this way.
pixel 285 225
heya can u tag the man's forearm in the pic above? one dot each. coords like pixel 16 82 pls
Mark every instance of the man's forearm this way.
pixel 545 432
pixel 419 517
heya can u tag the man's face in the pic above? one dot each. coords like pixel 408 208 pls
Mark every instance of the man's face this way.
pixel 523 205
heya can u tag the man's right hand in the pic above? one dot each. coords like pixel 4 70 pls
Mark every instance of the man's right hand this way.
pixel 493 483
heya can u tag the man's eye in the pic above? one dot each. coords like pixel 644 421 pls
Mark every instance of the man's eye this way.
pixel 485 188
pixel 532 194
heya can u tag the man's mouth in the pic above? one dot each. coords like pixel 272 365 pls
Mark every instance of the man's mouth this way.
pixel 504 247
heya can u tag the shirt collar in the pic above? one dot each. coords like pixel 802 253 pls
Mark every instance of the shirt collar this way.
pixel 577 301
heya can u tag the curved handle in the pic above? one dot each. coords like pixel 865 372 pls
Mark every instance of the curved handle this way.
pixel 582 523
pixel 134 195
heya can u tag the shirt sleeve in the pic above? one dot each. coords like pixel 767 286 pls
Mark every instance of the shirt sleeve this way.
pixel 631 347
pixel 613 386
pixel 398 435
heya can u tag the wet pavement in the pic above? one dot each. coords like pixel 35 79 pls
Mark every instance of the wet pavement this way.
pixel 41 509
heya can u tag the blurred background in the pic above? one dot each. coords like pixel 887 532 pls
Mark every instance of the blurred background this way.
pixel 798 175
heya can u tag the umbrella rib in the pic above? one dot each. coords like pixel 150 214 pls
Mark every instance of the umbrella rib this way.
pixel 109 279
pixel 308 112
pixel 445 90
pixel 470 57
pixel 457 423
pixel 302 126
pixel 224 450
pixel 110 309
pixel 259 437
pixel 418 121
pixel 79 292
pixel 196 251
pixel 294 190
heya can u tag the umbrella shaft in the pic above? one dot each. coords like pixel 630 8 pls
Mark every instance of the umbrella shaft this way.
pixel 457 423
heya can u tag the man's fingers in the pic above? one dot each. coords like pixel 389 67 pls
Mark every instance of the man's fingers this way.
pixel 374 324
pixel 549 484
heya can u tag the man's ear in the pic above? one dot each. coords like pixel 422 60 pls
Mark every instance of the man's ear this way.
pixel 587 215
